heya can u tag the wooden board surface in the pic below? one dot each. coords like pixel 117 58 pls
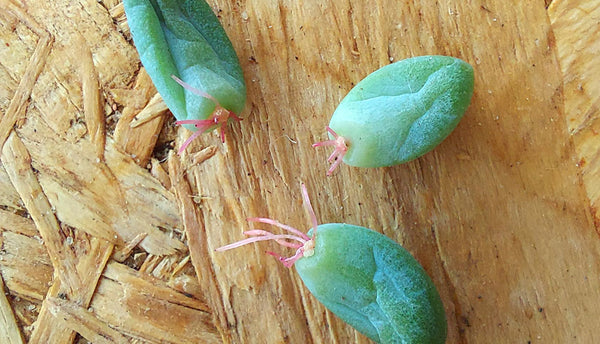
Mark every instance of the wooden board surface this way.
pixel 107 236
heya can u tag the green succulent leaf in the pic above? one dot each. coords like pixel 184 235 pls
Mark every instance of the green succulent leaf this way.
pixel 373 284
pixel 402 110
pixel 184 38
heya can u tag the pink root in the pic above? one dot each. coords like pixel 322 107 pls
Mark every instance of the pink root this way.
pixel 340 149
pixel 219 118
pixel 280 225
pixel 288 262
pixel 309 208
pixel 298 240
pixel 263 237
pixel 202 125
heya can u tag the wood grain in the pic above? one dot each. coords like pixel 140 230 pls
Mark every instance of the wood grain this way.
pixel 502 214
pixel 86 323
pixel 9 330
pixel 578 45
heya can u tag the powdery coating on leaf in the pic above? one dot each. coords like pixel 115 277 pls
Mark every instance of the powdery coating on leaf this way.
pixel 185 39
pixel 373 284
pixel 362 276
pixel 403 110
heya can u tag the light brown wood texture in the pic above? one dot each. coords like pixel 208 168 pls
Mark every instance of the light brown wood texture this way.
pixel 107 236
pixel 578 45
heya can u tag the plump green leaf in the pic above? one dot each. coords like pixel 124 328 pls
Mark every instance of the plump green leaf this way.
pixel 401 111
pixel 373 284
pixel 184 38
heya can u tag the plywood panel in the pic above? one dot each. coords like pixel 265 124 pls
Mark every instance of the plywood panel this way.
pixel 498 214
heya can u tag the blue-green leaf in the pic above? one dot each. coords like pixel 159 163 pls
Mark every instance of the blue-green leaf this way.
pixel 400 112
pixel 373 284
pixel 185 39
pixel 362 276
